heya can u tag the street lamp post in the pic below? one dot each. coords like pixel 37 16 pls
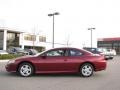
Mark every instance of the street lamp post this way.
pixel 91 34
pixel 53 36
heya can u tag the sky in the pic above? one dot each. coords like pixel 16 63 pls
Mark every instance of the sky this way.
pixel 71 25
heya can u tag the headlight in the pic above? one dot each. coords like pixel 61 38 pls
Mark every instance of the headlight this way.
pixel 11 61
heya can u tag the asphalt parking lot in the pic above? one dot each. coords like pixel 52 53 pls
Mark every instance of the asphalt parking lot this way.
pixel 103 80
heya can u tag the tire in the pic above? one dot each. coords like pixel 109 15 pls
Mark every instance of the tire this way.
pixel 25 70
pixel 86 70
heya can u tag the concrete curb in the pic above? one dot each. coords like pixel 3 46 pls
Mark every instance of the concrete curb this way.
pixel 4 61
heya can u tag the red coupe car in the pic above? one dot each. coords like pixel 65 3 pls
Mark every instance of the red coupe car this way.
pixel 58 60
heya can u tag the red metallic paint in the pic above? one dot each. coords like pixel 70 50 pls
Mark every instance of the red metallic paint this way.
pixel 60 64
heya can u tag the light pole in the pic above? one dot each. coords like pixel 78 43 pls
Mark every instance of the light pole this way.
pixel 91 34
pixel 53 14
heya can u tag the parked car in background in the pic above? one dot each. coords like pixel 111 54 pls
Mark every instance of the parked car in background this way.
pixel 3 52
pixel 58 60
pixel 17 50
pixel 109 53
pixel 32 51
pixel 112 51
pixel 102 51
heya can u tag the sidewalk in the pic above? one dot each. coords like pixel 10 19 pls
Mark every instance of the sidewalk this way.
pixel 4 60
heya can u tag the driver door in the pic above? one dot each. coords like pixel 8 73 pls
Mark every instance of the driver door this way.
pixel 52 60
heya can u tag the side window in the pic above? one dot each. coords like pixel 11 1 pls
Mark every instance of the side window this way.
pixel 55 53
pixel 75 53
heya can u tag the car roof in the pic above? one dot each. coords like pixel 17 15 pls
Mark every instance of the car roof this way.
pixel 64 48
pixel 85 51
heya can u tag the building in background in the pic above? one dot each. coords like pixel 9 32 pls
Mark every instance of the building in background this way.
pixel 28 41
pixel 112 43
pixel 11 38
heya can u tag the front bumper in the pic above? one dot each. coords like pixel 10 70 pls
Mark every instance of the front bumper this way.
pixel 11 67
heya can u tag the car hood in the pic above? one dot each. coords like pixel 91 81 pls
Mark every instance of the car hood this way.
pixel 24 57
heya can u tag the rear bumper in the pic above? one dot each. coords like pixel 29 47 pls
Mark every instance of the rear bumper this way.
pixel 100 65
pixel 109 56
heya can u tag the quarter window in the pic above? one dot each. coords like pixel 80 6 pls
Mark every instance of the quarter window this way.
pixel 75 53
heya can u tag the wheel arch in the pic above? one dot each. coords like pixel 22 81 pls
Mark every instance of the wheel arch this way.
pixel 26 62
pixel 88 63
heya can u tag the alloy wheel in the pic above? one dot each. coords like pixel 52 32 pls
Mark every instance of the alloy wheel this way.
pixel 86 70
pixel 25 69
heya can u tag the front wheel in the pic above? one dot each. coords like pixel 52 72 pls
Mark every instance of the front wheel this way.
pixel 86 70
pixel 25 69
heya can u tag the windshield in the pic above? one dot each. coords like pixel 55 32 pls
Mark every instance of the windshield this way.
pixel 39 54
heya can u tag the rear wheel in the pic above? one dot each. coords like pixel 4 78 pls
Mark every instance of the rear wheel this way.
pixel 25 69
pixel 86 70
